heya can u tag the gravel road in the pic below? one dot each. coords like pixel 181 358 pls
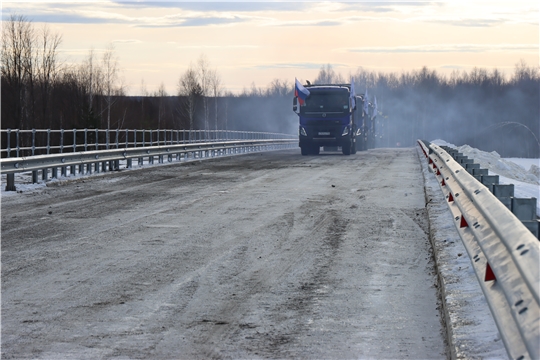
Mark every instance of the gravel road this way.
pixel 268 255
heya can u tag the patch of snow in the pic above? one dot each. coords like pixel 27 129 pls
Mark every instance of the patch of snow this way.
pixel 523 173
pixel 441 142
pixel 500 166
pixel 523 190
pixel 525 163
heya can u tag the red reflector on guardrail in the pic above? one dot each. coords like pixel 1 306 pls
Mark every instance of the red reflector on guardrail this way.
pixel 489 274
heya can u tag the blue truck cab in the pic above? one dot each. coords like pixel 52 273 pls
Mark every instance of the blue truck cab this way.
pixel 327 119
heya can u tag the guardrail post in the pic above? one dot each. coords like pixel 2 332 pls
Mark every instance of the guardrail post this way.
pixel 74 140
pixel 63 170
pixel 490 180
pixel 470 167
pixel 505 193
pixel 524 209
pixel 18 147
pixel 34 176
pixel 8 149
pixel 10 185
pixel 48 141
pixel 478 173
pixel 129 163
pixel 44 174
pixel 33 142
pixel 61 141
pixel 54 171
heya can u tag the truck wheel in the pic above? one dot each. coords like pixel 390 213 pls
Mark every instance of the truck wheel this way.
pixel 346 148
pixel 304 150
pixel 353 147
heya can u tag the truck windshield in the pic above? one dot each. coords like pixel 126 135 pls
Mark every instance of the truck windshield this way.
pixel 327 101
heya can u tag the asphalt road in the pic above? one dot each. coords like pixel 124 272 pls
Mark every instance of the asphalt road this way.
pixel 269 255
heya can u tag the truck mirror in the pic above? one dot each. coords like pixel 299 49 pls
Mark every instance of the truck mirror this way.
pixel 295 105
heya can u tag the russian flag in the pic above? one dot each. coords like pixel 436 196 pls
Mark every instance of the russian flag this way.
pixel 300 92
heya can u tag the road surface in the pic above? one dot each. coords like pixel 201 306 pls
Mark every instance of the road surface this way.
pixel 268 255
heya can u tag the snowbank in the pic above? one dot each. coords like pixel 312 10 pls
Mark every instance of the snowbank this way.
pixel 524 170
pixel 523 173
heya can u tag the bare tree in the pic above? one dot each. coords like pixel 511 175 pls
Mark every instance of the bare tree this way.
pixel 279 88
pixel 216 89
pixel 48 70
pixel 160 94
pixel 110 78
pixel 189 90
pixel 17 64
pixel 327 75
pixel 204 73
pixel 144 93
pixel 90 78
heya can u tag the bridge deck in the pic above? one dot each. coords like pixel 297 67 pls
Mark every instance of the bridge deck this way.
pixel 263 255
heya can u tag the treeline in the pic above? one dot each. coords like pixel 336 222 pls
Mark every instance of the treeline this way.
pixel 482 108
pixel 40 91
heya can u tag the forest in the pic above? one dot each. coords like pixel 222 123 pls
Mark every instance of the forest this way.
pixel 484 108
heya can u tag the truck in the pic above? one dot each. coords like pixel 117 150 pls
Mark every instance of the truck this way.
pixel 331 116
pixel 366 114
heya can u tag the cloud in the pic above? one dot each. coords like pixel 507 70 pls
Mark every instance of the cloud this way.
pixel 236 6
pixel 383 6
pixel 338 21
pixel 218 46
pixel 193 21
pixel 66 13
pixel 300 65
pixel 127 41
pixel 442 48
pixel 114 13
pixel 469 22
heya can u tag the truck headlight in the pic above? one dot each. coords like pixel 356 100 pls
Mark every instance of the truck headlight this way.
pixel 345 131
pixel 302 131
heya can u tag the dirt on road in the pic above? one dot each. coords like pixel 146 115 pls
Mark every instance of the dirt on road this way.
pixel 268 255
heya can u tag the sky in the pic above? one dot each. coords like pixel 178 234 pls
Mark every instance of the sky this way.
pixel 256 42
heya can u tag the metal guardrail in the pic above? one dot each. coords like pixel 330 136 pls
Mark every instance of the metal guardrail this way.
pixel 505 255
pixel 103 160
pixel 18 143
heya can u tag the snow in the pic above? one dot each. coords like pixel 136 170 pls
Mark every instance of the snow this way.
pixel 523 173
pixel 23 181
